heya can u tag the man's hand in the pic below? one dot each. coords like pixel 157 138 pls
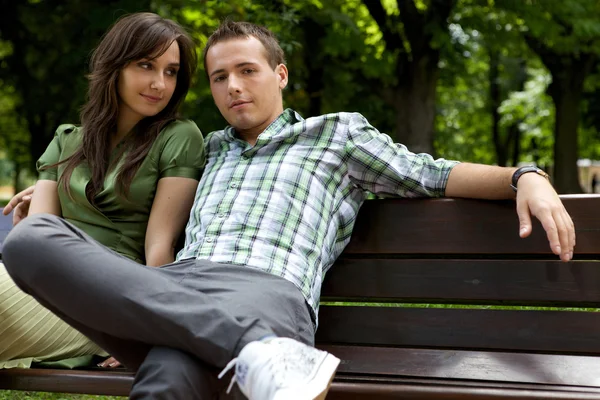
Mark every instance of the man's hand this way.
pixel 535 196
pixel 20 204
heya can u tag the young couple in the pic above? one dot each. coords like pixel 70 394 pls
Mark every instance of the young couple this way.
pixel 274 208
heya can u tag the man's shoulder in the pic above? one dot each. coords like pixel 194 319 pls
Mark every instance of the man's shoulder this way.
pixel 215 135
pixel 339 123
pixel 344 118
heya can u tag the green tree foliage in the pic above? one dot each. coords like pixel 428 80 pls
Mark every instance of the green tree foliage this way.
pixel 465 79
pixel 50 42
pixel 566 37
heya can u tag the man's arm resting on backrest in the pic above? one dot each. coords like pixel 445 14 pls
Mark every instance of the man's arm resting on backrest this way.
pixel 535 196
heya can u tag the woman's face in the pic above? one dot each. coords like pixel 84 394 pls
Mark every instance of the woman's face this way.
pixel 146 86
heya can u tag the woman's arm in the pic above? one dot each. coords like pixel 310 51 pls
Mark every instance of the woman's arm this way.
pixel 169 214
pixel 45 198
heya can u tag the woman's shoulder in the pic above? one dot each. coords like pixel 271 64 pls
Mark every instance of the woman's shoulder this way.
pixel 68 135
pixel 67 129
pixel 181 132
pixel 185 127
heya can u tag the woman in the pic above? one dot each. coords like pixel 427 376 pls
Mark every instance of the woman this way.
pixel 118 176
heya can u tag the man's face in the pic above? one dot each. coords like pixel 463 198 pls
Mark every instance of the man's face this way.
pixel 245 88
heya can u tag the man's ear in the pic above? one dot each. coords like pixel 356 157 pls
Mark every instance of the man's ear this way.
pixel 282 73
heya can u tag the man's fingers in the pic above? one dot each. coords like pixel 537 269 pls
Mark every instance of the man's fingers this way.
pixel 563 235
pixel 570 231
pixel 524 219
pixel 551 229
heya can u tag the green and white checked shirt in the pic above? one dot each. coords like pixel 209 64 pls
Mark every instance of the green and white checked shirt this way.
pixel 287 205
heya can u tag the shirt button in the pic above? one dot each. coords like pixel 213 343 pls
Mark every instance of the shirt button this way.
pixel 221 215
pixel 209 240
pixel 233 185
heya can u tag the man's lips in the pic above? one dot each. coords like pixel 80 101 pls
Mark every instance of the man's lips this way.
pixel 151 99
pixel 238 104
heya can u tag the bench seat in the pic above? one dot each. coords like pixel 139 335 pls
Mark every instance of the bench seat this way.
pixel 388 373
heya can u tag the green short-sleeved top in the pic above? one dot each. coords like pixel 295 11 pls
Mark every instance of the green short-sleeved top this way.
pixel 118 223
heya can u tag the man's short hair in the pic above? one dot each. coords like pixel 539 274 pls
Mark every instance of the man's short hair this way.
pixel 234 30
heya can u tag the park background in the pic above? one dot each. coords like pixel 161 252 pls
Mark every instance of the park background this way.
pixel 501 82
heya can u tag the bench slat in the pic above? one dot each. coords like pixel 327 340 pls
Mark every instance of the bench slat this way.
pixel 461 226
pixel 345 386
pixel 532 282
pixel 110 383
pixel 506 330
pixel 427 391
pixel 522 368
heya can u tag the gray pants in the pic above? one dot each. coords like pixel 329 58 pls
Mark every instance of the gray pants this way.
pixel 175 325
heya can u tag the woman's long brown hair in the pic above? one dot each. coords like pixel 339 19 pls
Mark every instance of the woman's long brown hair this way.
pixel 131 38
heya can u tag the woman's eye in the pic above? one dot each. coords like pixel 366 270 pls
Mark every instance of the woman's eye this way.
pixel 145 65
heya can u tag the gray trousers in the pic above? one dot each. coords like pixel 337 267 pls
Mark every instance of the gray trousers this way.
pixel 175 325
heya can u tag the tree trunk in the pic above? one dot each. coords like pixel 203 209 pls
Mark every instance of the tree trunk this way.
pixel 314 33
pixel 566 153
pixel 566 90
pixel 16 180
pixel 569 72
pixel 515 136
pixel 411 36
pixel 414 102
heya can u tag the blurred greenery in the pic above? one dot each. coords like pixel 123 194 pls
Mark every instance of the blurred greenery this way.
pixel 493 81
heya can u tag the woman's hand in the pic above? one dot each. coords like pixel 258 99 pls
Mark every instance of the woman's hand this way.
pixel 110 362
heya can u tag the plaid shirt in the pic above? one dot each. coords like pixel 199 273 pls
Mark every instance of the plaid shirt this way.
pixel 287 205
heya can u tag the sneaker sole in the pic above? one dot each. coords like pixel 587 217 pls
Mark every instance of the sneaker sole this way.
pixel 319 386
pixel 332 364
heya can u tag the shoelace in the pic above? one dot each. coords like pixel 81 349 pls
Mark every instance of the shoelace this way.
pixel 271 367
pixel 229 365
pixel 282 360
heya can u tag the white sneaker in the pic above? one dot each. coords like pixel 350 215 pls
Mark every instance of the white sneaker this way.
pixel 282 369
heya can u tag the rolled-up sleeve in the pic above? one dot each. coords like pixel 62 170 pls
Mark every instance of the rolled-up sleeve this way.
pixel 183 153
pixel 380 166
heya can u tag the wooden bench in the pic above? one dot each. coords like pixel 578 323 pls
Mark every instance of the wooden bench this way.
pixel 429 255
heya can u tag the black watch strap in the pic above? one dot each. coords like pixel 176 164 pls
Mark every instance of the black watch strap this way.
pixel 524 170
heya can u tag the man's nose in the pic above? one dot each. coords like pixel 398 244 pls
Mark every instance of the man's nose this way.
pixel 234 84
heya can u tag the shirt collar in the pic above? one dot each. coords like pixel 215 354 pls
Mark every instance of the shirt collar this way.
pixel 286 118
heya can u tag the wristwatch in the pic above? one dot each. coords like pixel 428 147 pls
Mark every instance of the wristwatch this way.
pixel 523 170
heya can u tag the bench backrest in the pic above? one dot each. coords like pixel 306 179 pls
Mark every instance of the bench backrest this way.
pixel 449 252
pixel 437 257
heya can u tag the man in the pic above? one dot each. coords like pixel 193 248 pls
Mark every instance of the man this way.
pixel 275 207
